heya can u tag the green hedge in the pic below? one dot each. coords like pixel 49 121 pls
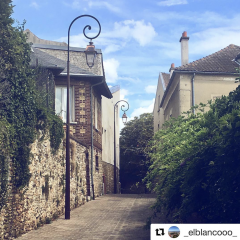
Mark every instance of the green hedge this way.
pixel 195 164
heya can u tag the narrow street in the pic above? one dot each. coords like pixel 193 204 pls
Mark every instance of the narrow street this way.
pixel 108 217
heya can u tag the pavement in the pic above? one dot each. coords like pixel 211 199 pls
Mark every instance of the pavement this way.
pixel 109 217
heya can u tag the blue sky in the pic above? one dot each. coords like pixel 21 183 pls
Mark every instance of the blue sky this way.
pixel 139 38
pixel 174 229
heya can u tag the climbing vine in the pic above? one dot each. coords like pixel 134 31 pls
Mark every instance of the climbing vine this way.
pixel 4 154
pixel 25 112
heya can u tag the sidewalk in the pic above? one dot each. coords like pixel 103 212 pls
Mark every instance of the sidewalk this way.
pixel 109 217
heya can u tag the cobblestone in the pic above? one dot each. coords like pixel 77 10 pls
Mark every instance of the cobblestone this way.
pixel 109 217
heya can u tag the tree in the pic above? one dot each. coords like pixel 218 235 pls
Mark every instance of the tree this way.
pixel 134 140
pixel 195 164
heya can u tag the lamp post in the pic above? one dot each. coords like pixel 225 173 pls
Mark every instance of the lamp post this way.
pixel 90 56
pixel 124 118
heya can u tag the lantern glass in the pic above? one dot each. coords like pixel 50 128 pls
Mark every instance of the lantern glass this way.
pixel 90 54
pixel 124 118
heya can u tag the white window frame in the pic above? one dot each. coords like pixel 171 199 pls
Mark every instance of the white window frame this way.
pixel 72 102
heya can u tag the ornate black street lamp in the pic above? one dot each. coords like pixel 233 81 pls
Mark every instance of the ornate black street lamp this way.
pixel 90 56
pixel 124 119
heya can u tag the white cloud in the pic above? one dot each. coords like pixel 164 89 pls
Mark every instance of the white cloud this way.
pixel 140 31
pixel 117 38
pixel 211 32
pixel 130 79
pixel 34 5
pixel 172 2
pixel 212 40
pixel 103 4
pixel 138 111
pixel 75 40
pixel 111 66
pixel 151 89
pixel 84 4
pixel 112 48
pixel 123 93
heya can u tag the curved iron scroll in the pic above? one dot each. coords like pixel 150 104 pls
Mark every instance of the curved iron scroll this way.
pixel 123 106
pixel 87 26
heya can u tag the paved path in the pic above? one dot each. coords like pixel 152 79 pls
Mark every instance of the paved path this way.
pixel 108 217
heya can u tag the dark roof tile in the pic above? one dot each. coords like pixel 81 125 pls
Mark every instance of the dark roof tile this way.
pixel 48 61
pixel 220 61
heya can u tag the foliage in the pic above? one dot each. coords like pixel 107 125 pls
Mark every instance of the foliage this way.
pixel 4 154
pixel 21 104
pixel 195 164
pixel 133 149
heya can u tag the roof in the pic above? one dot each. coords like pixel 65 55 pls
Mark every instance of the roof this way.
pixel 59 68
pixel 32 38
pixel 166 78
pixel 114 89
pixel 220 62
pixel 62 48
pixel 46 60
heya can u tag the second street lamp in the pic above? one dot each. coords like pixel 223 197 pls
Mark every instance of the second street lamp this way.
pixel 90 56
pixel 124 119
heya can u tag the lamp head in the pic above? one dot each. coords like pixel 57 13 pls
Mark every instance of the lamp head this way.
pixel 124 118
pixel 91 54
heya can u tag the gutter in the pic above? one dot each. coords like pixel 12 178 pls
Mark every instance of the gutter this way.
pixel 103 78
pixel 193 95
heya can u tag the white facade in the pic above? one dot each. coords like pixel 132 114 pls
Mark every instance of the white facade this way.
pixel 108 127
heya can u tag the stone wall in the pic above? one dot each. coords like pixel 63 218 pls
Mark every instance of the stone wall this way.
pixel 108 172
pixel 44 198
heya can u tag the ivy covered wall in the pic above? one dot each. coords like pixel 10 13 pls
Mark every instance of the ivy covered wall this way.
pixel 44 198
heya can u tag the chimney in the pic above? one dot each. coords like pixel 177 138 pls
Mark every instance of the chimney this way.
pixel 171 69
pixel 184 48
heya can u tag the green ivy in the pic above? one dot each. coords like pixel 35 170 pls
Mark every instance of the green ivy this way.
pixel 4 155
pixel 25 112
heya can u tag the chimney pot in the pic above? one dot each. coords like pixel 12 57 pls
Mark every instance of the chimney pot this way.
pixel 184 34
pixel 171 69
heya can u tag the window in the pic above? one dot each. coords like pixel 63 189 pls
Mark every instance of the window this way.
pixel 61 102
pixel 96 161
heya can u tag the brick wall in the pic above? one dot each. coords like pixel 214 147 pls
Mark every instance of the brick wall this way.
pixel 81 128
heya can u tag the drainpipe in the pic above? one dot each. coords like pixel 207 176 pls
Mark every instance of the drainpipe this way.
pixel 193 96
pixel 92 128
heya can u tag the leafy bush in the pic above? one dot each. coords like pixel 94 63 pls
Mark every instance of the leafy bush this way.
pixel 134 140
pixel 195 164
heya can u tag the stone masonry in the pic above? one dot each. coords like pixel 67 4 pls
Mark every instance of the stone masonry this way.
pixel 44 198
